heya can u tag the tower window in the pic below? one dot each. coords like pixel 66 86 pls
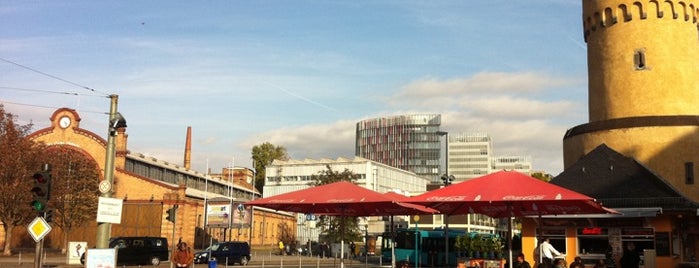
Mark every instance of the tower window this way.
pixel 689 173
pixel 639 59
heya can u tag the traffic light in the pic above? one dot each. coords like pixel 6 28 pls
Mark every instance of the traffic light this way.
pixel 171 214
pixel 48 215
pixel 41 192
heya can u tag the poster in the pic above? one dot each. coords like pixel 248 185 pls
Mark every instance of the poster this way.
pixel 219 215
pixel 101 258
pixel 75 250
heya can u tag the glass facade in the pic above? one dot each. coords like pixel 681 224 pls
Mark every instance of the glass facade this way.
pixel 408 142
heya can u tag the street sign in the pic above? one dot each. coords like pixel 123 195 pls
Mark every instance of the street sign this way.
pixel 109 209
pixel 105 186
pixel 38 228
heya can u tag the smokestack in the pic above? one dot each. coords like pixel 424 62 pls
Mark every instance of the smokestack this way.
pixel 188 149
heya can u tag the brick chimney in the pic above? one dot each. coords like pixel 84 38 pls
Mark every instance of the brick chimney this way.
pixel 188 149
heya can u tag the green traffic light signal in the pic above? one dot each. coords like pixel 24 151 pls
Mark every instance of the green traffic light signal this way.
pixel 41 190
pixel 38 205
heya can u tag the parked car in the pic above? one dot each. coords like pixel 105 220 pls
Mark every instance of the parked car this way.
pixel 225 252
pixel 138 250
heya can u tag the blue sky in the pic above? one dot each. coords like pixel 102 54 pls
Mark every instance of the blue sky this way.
pixel 298 74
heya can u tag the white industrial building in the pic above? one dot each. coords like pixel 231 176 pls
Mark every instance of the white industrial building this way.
pixel 293 175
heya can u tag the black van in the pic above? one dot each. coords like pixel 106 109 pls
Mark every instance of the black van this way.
pixel 140 250
pixel 225 252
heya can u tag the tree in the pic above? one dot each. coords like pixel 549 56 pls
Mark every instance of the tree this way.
pixel 262 156
pixel 542 176
pixel 331 226
pixel 21 158
pixel 74 191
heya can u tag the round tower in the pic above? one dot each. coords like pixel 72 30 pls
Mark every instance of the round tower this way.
pixel 643 73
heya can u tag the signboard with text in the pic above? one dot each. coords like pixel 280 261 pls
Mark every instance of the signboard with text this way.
pixel 109 210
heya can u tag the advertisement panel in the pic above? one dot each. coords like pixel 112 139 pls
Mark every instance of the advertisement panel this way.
pixel 218 215
pixel 241 216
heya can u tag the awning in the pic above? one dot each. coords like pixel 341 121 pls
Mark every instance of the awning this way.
pixel 623 213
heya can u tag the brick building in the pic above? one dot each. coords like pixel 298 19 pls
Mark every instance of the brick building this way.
pixel 149 187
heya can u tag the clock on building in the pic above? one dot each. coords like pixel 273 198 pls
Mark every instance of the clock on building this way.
pixel 64 122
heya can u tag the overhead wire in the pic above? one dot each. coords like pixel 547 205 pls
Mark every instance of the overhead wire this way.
pixel 53 76
pixel 50 91
pixel 48 107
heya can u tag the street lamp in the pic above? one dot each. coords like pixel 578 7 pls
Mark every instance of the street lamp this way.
pixel 447 179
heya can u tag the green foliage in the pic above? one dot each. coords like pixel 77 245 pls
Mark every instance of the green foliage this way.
pixel 494 244
pixel 332 226
pixel 542 176
pixel 21 158
pixel 331 176
pixel 463 242
pixel 262 156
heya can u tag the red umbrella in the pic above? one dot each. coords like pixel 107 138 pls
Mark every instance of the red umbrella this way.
pixel 340 198
pixel 508 194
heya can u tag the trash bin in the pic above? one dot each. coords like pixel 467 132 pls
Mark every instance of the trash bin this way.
pixel 212 263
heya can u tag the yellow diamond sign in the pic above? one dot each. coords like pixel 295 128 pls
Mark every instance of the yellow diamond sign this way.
pixel 38 228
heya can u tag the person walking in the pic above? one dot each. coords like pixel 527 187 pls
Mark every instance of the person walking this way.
pixel 353 249
pixel 548 252
pixel 183 256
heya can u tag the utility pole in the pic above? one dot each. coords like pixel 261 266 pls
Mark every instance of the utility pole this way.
pixel 116 121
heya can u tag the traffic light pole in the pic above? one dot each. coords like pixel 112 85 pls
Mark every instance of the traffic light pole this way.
pixel 173 213
pixel 39 248
pixel 104 228
pixel 38 252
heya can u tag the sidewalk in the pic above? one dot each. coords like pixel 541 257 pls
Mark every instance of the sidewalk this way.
pixel 263 258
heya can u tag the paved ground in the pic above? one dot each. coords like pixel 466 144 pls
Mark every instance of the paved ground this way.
pixel 259 259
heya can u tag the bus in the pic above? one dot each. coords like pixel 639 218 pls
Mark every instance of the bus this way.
pixel 430 246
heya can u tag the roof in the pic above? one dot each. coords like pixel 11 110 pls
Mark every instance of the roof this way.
pixel 619 181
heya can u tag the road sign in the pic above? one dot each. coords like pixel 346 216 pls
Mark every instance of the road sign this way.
pixel 39 228
pixel 105 186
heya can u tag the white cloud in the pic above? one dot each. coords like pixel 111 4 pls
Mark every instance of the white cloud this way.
pixel 484 83
pixel 520 124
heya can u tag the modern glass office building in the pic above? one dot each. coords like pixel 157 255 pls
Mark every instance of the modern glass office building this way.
pixel 409 142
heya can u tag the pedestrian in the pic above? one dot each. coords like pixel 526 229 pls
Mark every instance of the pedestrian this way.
pixel 183 256
pixel 520 262
pixel 281 248
pixel 352 249
pixel 577 263
pixel 630 258
pixel 548 252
